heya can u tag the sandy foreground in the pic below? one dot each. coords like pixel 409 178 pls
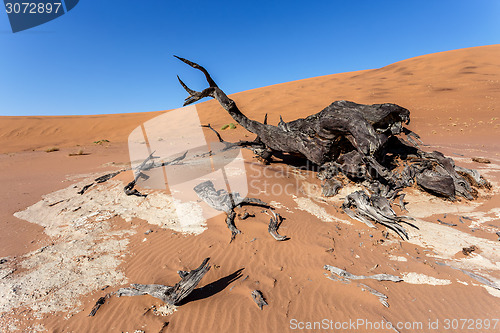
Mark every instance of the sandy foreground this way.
pixel 60 251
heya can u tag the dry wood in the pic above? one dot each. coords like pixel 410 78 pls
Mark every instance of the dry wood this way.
pixel 85 188
pixel 381 297
pixel 375 208
pixel 107 177
pixel 446 223
pixel 331 187
pixel 364 126
pixel 98 304
pixel 130 190
pixel 345 275
pixel 274 224
pixel 481 160
pixel 468 250
pixel 363 142
pixel 474 276
pixel 246 215
pixel 258 298
pixel 171 295
pixel 222 200
pixel 472 177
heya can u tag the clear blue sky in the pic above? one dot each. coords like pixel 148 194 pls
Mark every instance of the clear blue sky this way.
pixel 113 56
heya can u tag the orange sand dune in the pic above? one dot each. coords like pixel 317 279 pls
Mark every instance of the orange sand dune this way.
pixel 462 85
pixel 453 98
pixel 40 133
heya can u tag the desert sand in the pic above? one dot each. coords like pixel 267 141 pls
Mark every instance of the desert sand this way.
pixel 60 251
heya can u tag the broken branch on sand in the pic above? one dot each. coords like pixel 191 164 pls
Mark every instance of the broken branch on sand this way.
pixel 346 276
pixel 274 224
pixel 258 298
pixel 222 200
pixel 381 297
pixel 98 304
pixel 171 295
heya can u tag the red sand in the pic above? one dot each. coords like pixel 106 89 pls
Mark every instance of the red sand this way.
pixel 453 98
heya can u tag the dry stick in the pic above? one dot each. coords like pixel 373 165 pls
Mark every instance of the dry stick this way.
pixel 241 143
pixel 274 224
pixel 473 275
pixel 101 179
pixel 258 298
pixel 98 304
pixel 446 223
pixel 381 297
pixel 57 202
pixel 165 325
pixel 246 215
pixel 374 208
pixel 274 221
pixel 216 133
pixel 392 326
pixel 130 190
pixel 222 200
pixel 85 188
pixel 345 275
pixel 107 177
pixel 171 295
pixel 402 202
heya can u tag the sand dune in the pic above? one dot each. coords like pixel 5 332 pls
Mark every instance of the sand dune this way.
pixel 453 98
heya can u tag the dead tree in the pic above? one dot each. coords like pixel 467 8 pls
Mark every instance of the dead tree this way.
pixel 368 144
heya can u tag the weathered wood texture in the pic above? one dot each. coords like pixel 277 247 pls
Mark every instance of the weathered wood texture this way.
pixel 258 298
pixel 171 295
pixel 222 200
pixel 345 275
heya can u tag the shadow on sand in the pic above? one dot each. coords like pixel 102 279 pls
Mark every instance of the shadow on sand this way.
pixel 212 288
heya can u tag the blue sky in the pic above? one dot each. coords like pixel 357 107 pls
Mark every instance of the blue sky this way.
pixel 115 56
